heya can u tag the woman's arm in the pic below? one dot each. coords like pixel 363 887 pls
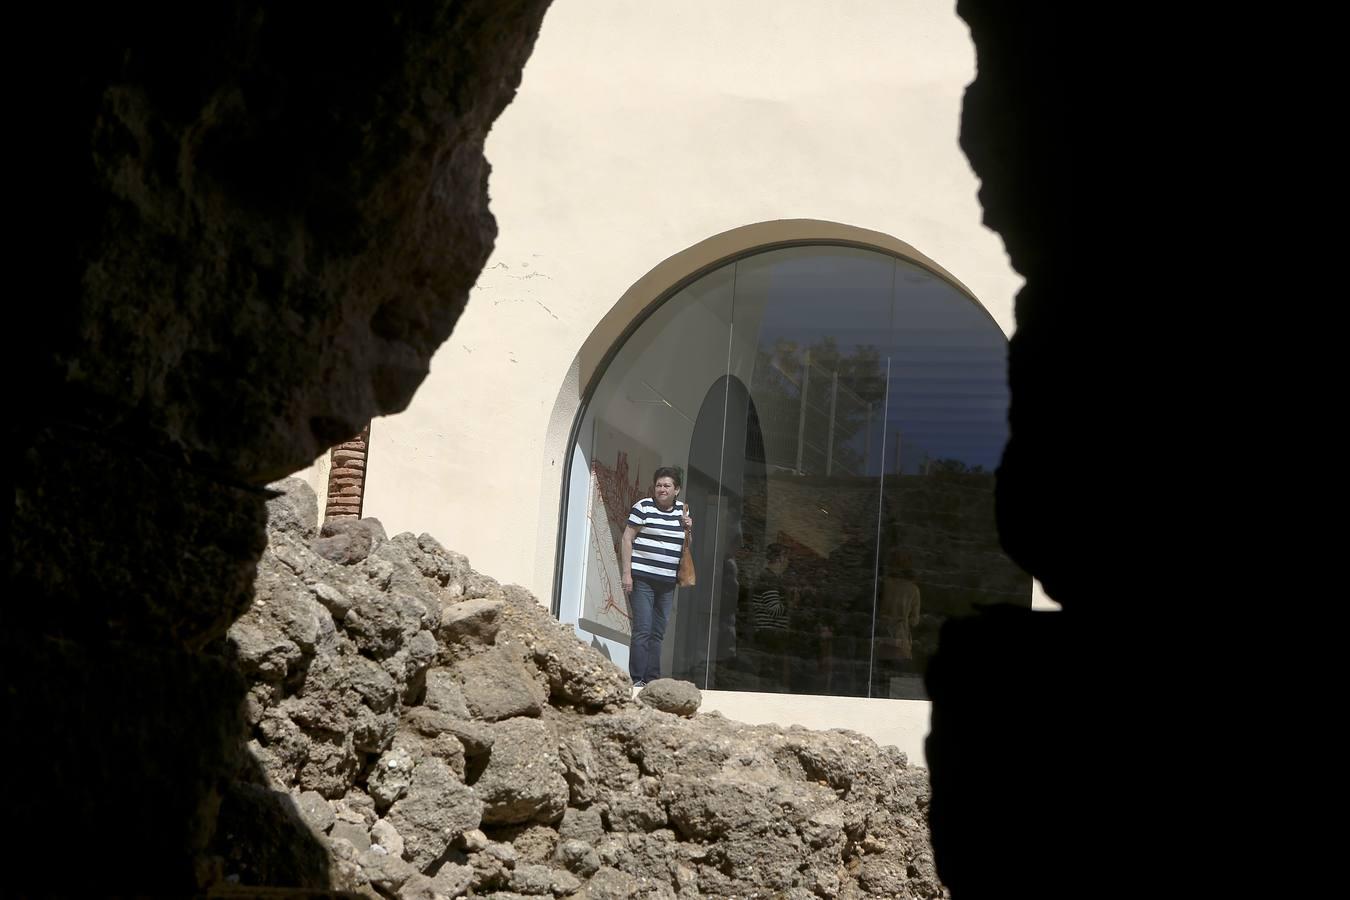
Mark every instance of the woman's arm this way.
pixel 626 557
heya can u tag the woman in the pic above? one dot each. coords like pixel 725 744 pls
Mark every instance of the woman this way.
pixel 658 527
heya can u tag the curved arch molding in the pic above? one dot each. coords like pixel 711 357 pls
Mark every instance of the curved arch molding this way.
pixel 641 298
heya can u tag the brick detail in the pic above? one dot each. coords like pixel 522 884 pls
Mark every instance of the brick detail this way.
pixel 347 477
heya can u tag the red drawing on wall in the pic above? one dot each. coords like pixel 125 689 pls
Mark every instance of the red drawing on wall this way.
pixel 616 494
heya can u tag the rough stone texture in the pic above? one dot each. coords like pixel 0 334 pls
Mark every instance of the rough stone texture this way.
pixel 387 836
pixel 390 778
pixel 294 509
pixel 385 871
pixel 523 780
pixel 496 685
pixel 356 835
pixel 348 541
pixel 437 809
pixel 443 693
pixel 317 811
pixel 578 856
pixel 591 792
pixel 271 215
pixel 453 879
pixel 471 621
pixel 531 879
pixel 672 696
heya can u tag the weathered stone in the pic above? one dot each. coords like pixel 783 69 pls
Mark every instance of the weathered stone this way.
pixel 497 686
pixel 387 836
pixel 453 880
pixel 531 879
pixel 390 778
pixel 419 887
pixel 523 779
pixel 331 764
pixel 357 835
pixel 883 877
pixel 445 747
pixel 348 541
pixel 295 510
pixel 635 812
pixel 533 842
pixel 578 856
pixel 334 600
pixel 563 883
pixel 443 693
pixel 386 871
pixel 692 804
pixel 610 884
pixel 672 696
pixel 344 549
pixel 317 811
pixel 586 825
pixel 492 866
pixel 436 809
pixel 477 737
pixel 470 621
pixel 576 674
pixel 356 806
pixel 381 624
pixel 262 652
pixel 579 768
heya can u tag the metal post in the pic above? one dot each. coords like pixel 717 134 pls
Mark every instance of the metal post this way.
pixel 867 441
pixel 829 444
pixel 801 417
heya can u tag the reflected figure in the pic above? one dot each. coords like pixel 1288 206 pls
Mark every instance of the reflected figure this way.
pixel 771 602
pixel 897 617
pixel 847 626
pixel 705 642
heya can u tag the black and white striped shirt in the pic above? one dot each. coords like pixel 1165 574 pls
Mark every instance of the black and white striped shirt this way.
pixel 657 548
pixel 769 608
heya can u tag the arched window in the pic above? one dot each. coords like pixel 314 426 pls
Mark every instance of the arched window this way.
pixel 839 412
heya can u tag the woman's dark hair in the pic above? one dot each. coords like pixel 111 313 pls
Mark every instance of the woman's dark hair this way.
pixel 674 473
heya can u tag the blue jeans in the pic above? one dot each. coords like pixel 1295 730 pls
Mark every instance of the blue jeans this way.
pixel 651 602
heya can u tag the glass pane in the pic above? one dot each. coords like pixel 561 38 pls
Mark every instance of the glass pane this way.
pixel 805 347
pixel 642 415
pixel 839 415
pixel 946 426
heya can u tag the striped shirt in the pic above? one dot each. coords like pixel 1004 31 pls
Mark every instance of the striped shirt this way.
pixel 657 548
pixel 769 609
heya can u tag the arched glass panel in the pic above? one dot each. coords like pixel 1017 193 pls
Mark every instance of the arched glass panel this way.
pixel 838 413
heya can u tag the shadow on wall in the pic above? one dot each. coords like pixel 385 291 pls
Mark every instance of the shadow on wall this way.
pixel 600 648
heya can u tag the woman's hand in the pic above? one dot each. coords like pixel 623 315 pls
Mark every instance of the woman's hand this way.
pixel 688 521
pixel 627 584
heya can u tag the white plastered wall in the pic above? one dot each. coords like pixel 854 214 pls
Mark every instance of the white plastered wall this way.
pixel 639 131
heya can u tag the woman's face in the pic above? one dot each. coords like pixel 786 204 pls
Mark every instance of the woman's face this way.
pixel 665 491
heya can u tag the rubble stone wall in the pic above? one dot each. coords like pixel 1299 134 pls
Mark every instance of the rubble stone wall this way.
pixel 443 736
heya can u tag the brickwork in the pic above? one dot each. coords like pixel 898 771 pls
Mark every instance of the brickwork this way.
pixel 347 478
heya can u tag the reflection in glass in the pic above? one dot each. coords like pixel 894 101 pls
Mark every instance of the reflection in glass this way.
pixel 839 414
